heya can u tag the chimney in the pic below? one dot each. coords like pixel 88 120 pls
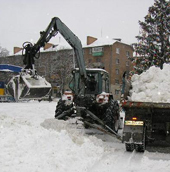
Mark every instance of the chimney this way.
pixel 117 39
pixel 17 49
pixel 90 40
pixel 47 46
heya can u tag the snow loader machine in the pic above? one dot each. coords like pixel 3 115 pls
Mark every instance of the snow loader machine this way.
pixel 145 123
pixel 91 98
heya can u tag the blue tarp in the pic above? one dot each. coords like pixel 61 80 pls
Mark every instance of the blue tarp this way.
pixel 10 67
pixel 1 84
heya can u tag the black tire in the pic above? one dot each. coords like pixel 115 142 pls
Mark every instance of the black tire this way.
pixel 112 115
pixel 129 147
pixel 86 126
pixel 59 108
pixel 62 110
pixel 142 147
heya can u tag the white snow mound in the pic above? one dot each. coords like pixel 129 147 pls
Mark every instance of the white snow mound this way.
pixel 152 85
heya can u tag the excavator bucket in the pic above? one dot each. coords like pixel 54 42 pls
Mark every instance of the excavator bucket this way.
pixel 28 87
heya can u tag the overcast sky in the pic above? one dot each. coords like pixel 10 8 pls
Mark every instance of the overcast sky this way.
pixel 22 20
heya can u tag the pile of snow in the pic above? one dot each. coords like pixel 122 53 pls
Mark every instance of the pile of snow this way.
pixel 31 141
pixel 152 85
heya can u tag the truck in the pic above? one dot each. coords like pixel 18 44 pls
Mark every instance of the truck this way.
pixel 145 123
pixel 92 100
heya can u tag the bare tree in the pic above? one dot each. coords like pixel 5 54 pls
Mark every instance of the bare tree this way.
pixel 3 52
pixel 61 67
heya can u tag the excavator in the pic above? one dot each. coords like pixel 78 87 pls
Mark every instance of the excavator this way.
pixel 92 100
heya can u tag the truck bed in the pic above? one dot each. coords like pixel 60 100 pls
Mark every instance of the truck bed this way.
pixel 131 104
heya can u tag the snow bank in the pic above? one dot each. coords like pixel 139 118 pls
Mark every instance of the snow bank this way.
pixel 33 141
pixel 152 85
pixel 28 145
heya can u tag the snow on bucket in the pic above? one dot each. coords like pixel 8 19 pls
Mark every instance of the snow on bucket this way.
pixel 28 87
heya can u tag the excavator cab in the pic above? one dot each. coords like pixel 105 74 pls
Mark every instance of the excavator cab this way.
pixel 97 82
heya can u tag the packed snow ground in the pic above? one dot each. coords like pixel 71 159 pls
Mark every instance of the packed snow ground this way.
pixel 33 141
pixel 152 85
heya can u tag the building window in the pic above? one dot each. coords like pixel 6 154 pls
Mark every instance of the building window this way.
pixel 127 63
pixel 127 53
pixel 117 61
pixel 117 71
pixel 116 81
pixel 97 49
pixel 117 51
pixel 98 59
pixel 90 60
pixel 90 51
pixel 117 92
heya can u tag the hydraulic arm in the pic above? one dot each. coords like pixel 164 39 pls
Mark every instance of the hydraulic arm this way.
pixel 30 52
pixel 55 26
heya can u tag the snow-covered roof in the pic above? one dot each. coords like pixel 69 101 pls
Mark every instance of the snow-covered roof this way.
pixel 10 68
pixel 57 47
pixel 66 46
pixel 94 69
pixel 101 42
